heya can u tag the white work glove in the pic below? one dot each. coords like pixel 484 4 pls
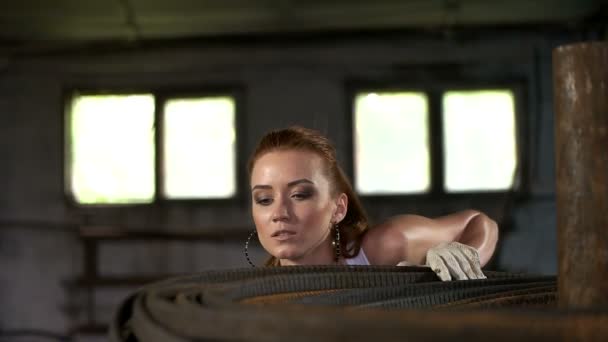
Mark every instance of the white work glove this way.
pixel 454 260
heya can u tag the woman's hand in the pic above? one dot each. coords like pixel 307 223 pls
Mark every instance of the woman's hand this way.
pixel 454 261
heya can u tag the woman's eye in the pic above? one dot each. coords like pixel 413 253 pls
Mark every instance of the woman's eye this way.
pixel 263 201
pixel 301 195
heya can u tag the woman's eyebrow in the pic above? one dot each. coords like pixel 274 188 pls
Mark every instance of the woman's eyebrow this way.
pixel 300 181
pixel 290 184
pixel 261 187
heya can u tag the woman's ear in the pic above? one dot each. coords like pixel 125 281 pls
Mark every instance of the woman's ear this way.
pixel 341 208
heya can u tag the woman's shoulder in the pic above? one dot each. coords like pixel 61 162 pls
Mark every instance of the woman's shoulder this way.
pixel 384 243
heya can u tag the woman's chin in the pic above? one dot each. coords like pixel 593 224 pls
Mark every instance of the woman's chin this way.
pixel 286 254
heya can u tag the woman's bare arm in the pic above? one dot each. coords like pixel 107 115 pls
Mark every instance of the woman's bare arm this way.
pixel 409 237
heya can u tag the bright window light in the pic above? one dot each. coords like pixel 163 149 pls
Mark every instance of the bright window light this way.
pixel 199 148
pixel 479 140
pixel 391 143
pixel 112 149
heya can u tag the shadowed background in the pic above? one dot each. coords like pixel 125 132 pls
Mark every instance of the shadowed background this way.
pixel 294 62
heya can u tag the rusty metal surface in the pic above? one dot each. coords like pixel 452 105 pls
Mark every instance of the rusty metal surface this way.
pixel 581 151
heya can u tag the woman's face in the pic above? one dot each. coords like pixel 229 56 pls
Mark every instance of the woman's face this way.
pixel 293 208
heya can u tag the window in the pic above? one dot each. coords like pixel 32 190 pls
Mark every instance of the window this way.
pixel 114 156
pixel 199 145
pixel 430 141
pixel 479 140
pixel 391 143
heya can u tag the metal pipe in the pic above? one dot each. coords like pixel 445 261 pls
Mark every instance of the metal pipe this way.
pixel 581 152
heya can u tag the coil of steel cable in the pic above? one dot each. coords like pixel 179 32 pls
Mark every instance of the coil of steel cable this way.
pixel 330 303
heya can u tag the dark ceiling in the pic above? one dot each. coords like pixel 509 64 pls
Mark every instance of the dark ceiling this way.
pixel 39 20
pixel 32 24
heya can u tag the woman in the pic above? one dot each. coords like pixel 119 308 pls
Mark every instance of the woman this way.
pixel 306 213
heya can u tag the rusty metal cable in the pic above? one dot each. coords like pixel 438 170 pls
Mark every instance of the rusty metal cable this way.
pixel 339 302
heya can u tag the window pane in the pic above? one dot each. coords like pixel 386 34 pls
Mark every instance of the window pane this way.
pixel 479 139
pixel 199 147
pixel 112 149
pixel 391 143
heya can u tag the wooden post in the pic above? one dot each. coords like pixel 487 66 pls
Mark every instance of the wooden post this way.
pixel 581 151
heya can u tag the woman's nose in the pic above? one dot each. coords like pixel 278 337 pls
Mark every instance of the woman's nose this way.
pixel 281 212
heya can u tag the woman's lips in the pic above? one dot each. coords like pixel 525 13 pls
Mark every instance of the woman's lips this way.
pixel 283 234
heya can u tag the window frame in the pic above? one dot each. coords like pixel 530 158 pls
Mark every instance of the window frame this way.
pixel 434 88
pixel 161 95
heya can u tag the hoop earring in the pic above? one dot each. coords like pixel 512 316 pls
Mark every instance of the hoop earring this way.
pixel 336 243
pixel 254 232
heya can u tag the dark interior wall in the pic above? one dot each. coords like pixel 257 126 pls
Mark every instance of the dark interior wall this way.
pixel 284 83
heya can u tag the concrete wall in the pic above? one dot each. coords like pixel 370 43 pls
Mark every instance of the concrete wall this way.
pixel 285 83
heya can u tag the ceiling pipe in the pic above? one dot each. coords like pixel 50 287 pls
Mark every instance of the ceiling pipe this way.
pixel 133 30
